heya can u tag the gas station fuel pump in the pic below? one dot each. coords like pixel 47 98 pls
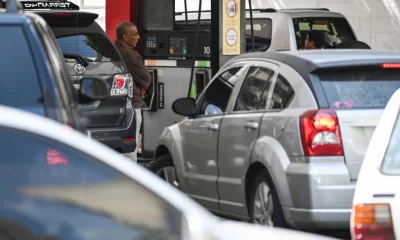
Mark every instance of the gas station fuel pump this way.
pixel 169 49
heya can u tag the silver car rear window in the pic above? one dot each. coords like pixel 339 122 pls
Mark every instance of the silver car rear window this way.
pixel 359 88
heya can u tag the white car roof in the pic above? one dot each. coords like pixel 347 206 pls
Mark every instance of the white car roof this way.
pixel 198 216
pixel 29 122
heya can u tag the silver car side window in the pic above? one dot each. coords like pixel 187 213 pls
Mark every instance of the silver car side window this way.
pixel 212 110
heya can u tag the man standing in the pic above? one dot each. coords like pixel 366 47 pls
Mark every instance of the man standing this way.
pixel 127 38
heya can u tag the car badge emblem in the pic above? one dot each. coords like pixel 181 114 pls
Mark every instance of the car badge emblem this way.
pixel 79 68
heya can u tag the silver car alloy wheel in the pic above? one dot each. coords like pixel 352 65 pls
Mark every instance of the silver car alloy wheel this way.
pixel 263 205
pixel 169 175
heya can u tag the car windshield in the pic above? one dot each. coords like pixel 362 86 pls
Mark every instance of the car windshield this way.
pixel 19 89
pixel 391 160
pixel 54 191
pixel 359 88
pixel 337 30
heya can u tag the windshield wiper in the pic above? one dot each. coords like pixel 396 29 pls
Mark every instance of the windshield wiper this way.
pixel 77 57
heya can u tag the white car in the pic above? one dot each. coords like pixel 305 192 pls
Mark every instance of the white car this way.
pixel 376 208
pixel 56 182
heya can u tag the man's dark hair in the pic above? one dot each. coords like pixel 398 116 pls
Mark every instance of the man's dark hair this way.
pixel 318 37
pixel 123 29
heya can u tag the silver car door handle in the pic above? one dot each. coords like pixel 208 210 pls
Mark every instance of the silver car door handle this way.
pixel 213 126
pixel 251 125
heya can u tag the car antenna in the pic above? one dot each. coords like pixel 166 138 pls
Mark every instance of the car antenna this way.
pixel 13 6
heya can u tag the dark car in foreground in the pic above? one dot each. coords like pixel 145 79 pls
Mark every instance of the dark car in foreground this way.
pixel 88 52
pixel 31 77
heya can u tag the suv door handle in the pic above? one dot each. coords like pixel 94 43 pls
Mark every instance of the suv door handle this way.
pixel 251 125
pixel 213 126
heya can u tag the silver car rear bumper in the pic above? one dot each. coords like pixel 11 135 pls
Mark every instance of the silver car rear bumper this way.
pixel 321 193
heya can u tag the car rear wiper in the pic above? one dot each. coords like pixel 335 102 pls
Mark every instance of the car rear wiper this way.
pixel 77 57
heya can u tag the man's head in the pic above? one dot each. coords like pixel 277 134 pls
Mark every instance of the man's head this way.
pixel 128 32
pixel 315 39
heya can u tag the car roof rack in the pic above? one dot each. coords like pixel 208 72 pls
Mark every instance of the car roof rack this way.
pixel 39 5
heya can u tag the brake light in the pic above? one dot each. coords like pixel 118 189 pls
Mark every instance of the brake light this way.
pixel 373 222
pixel 122 85
pixel 129 139
pixel 320 134
pixel 390 65
pixel 61 14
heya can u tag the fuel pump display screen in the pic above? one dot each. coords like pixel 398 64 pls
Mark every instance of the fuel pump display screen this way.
pixel 177 45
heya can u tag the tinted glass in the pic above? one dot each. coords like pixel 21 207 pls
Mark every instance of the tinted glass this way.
pixel 92 47
pixel 337 30
pixel 282 95
pixel 18 88
pixel 80 34
pixel 262 34
pixel 53 190
pixel 391 161
pixel 216 96
pixel 254 91
pixel 359 88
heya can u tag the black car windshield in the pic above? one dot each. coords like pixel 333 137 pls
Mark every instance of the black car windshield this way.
pixel 337 29
pixel 91 46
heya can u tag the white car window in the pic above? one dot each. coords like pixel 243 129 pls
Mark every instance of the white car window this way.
pixel 52 190
pixel 391 161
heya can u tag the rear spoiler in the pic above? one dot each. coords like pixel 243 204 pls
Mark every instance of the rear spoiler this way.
pixel 40 5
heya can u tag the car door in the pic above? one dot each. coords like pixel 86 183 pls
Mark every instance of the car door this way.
pixel 200 139
pixel 53 191
pixel 239 130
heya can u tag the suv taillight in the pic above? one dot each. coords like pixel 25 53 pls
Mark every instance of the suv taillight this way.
pixel 320 134
pixel 122 85
pixel 372 221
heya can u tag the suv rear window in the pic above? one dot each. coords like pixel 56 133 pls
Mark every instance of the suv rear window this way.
pixel 81 34
pixel 359 88
pixel 337 28
pixel 92 47
pixel 19 89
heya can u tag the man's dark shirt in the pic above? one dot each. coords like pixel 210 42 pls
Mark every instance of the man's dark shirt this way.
pixel 136 68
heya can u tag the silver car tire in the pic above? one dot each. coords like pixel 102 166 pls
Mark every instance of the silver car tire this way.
pixel 265 208
pixel 163 167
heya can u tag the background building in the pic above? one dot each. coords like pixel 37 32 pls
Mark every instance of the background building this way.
pixel 376 22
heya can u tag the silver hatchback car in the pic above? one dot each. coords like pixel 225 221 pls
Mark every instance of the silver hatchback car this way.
pixel 278 138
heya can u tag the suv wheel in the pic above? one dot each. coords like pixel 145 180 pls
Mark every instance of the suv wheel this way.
pixel 164 168
pixel 264 206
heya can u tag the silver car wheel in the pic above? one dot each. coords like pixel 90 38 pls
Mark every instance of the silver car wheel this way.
pixel 263 205
pixel 169 175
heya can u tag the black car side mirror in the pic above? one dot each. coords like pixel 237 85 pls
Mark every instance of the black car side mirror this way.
pixel 92 89
pixel 184 106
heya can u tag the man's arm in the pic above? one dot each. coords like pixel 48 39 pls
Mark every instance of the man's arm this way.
pixel 136 68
